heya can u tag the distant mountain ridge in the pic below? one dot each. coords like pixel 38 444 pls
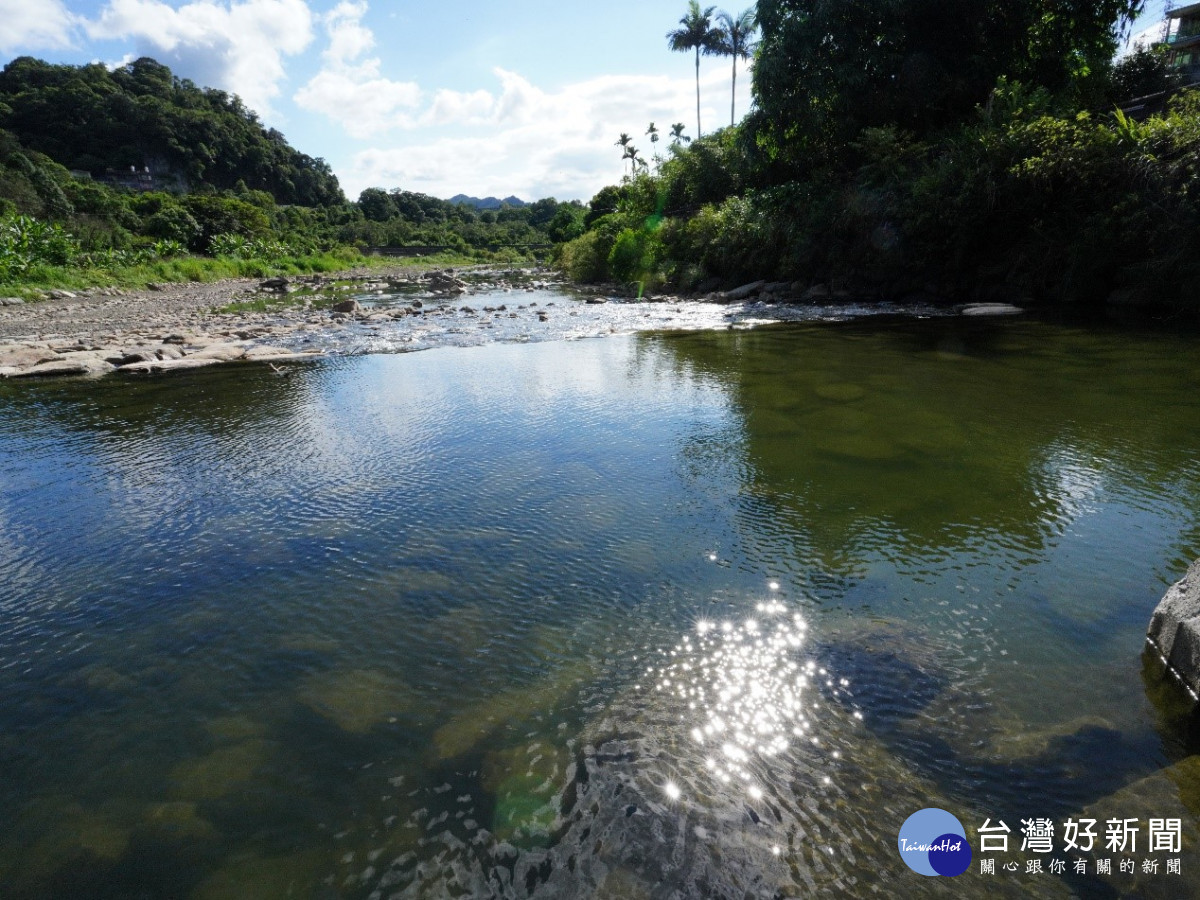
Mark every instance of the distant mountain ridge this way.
pixel 486 202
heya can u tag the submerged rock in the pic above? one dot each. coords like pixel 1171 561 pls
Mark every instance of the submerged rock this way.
pixel 221 772
pixel 357 700
pixel 1174 632
pixel 1170 794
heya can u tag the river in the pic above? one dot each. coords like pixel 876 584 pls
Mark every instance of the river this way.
pixel 662 614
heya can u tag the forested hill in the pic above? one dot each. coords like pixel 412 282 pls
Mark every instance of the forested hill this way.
pixel 93 119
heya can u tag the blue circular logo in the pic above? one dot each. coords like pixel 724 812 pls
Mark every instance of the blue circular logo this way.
pixel 933 842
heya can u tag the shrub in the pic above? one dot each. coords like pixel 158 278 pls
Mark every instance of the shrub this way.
pixel 635 255
pixel 173 223
pixel 585 259
pixel 26 242
pixel 238 247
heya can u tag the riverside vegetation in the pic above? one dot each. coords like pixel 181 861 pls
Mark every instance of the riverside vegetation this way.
pixel 956 150
pixel 965 150
pixel 212 192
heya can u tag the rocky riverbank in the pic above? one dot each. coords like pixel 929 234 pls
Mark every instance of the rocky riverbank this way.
pixel 185 326
pixel 283 320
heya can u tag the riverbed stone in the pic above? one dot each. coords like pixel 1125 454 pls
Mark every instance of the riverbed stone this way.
pixel 357 700
pixel 23 357
pixel 220 352
pixel 1171 793
pixel 1174 631
pixel 167 365
pixel 745 291
pixel 991 309
pixel 67 367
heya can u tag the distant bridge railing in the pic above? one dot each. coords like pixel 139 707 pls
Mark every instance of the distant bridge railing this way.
pixel 1143 107
pixel 431 249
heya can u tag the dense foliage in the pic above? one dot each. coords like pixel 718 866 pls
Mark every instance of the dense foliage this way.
pixel 219 184
pixel 827 70
pixel 399 218
pixel 91 119
pixel 916 146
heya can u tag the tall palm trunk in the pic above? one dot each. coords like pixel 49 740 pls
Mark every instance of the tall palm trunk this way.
pixel 733 95
pixel 699 133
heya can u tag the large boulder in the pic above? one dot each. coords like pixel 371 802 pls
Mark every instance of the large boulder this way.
pixel 1174 631
pixel 744 292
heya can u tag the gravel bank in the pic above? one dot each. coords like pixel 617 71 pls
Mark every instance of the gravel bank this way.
pixel 169 327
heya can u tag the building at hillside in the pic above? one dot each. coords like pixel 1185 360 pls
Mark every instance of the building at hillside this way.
pixel 1182 41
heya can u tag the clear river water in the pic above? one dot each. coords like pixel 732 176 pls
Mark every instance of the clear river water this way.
pixel 702 613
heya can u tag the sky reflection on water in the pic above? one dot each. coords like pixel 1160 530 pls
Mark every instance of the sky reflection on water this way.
pixel 510 620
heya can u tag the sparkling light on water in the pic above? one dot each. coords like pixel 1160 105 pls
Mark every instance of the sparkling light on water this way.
pixel 746 694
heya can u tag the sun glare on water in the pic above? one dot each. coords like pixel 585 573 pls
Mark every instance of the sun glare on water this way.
pixel 746 693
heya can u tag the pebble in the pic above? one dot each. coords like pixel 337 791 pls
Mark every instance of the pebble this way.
pixel 110 329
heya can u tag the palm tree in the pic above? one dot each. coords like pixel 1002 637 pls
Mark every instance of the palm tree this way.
pixel 696 34
pixel 623 143
pixel 677 134
pixel 631 154
pixel 652 132
pixel 736 40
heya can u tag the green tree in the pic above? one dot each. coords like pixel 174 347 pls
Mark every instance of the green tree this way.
pixel 567 224
pixel 1139 74
pixel 216 215
pixel 696 33
pixel 736 40
pixel 826 70
pixel 631 154
pixel 623 142
pixel 86 117
pixel 603 204
pixel 655 137
pixel 376 205
pixel 677 135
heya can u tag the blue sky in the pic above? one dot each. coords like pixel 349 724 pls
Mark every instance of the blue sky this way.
pixel 524 97
pixel 1148 27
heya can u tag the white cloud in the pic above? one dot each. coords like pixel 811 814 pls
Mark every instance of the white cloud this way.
pixel 474 108
pixel 350 91
pixel 348 39
pixel 1144 37
pixel 518 138
pixel 236 46
pixel 29 24
pixel 537 143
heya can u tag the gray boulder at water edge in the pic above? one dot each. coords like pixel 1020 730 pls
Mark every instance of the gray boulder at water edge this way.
pixel 1174 631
